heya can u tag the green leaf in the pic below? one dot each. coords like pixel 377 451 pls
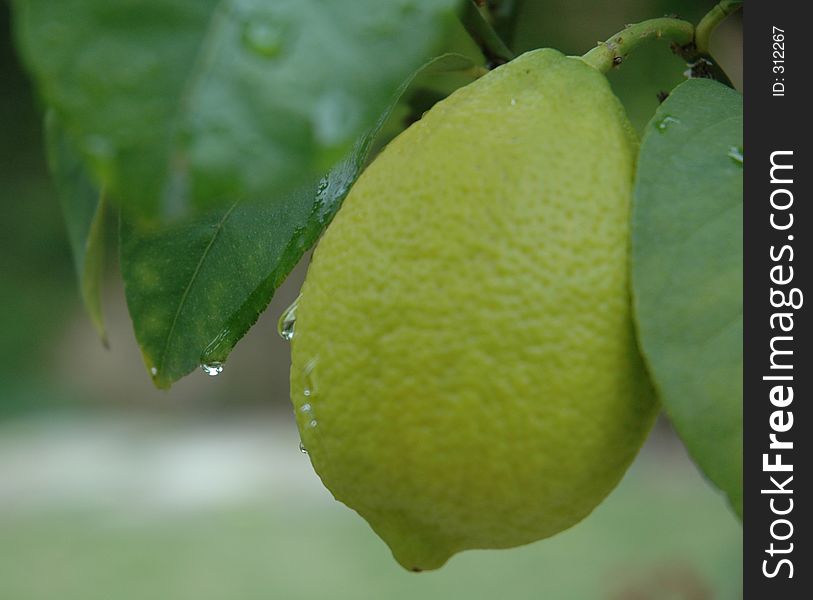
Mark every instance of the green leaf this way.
pixel 176 103
pixel 84 208
pixel 687 271
pixel 194 288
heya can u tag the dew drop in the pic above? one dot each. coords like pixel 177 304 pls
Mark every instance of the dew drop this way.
pixel 335 117
pixel 153 371
pixel 309 387
pixel 664 123
pixel 307 413
pixel 264 37
pixel 333 187
pixel 287 322
pixel 513 101
pixel 212 369
pixel 735 154
pixel 302 448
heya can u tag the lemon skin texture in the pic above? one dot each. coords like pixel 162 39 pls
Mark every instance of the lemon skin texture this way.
pixel 464 367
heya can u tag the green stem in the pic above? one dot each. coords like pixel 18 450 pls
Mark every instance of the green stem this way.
pixel 709 23
pixel 481 31
pixel 613 52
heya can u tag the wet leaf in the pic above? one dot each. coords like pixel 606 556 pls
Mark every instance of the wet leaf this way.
pixel 177 104
pixel 195 288
pixel 84 208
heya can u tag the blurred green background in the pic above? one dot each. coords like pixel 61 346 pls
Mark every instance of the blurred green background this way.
pixel 111 489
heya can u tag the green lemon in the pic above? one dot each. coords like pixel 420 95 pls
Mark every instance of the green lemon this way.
pixel 465 371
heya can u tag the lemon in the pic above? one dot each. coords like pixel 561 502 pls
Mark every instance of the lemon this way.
pixel 464 366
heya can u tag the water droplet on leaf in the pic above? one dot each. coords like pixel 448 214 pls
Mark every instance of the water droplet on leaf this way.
pixel 334 186
pixel 264 37
pixel 664 123
pixel 212 369
pixel 335 117
pixel 302 448
pixel 735 154
pixel 287 322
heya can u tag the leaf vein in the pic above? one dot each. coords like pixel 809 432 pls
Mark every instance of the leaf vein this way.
pixel 193 279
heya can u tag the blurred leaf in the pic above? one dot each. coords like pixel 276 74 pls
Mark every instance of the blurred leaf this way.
pixel 687 271
pixel 175 103
pixel 505 14
pixel 37 280
pixel 195 288
pixel 84 208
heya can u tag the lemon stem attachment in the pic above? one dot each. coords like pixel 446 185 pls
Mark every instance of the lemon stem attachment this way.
pixel 691 43
pixel 709 23
pixel 476 22
pixel 614 51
